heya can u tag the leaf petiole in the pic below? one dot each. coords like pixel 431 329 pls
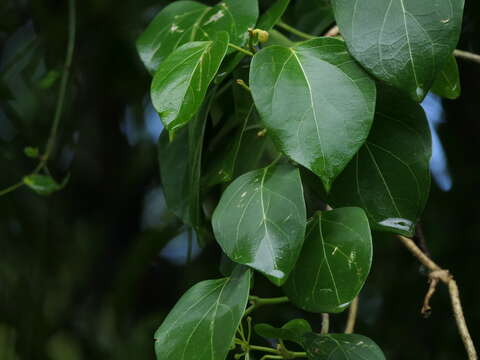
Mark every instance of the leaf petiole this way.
pixel 242 50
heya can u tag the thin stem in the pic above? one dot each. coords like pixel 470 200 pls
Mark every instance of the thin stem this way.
pixel 352 316
pixel 325 323
pixel 258 302
pixel 242 50
pixel 61 97
pixel 294 31
pixel 242 84
pixel 64 81
pixel 436 272
pixel 266 357
pixel 467 55
pixel 11 188
pixel 263 348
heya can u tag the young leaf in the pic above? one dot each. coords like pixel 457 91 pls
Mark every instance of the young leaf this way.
pixel 334 263
pixel 447 83
pixel 260 220
pixel 316 102
pixel 404 43
pixel 341 347
pixel 186 21
pixel 182 80
pixel 203 323
pixel 291 331
pixel 268 20
pixel 31 152
pixel 389 177
pixel 44 184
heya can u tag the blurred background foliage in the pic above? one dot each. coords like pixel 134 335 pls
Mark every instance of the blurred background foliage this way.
pixel 91 271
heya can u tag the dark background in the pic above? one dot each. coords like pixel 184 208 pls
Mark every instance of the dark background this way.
pixel 91 271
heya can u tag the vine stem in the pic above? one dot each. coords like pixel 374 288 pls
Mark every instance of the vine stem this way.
pixel 467 55
pixel 72 20
pixel 294 31
pixel 439 274
pixel 257 302
pixel 242 50
pixel 352 316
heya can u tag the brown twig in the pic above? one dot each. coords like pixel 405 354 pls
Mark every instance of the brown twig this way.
pixel 352 316
pixel 438 274
pixel 467 55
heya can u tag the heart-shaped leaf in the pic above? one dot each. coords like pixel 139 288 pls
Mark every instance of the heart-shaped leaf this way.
pixel 447 83
pixel 316 102
pixel 389 177
pixel 273 15
pixel 404 43
pixel 291 331
pixel 186 21
pixel 334 263
pixel 182 80
pixel 260 220
pixel 203 323
pixel 341 347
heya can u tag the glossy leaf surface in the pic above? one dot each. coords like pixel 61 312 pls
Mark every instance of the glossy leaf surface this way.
pixel 272 15
pixel 291 331
pixel 404 43
pixel 316 102
pixel 341 347
pixel 186 21
pixel 389 177
pixel 202 324
pixel 334 263
pixel 260 220
pixel 182 80
pixel 447 83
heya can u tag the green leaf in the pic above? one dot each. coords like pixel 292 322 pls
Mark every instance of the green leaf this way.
pixel 31 152
pixel 389 177
pixel 313 16
pixel 203 323
pixel 316 102
pixel 182 80
pixel 291 331
pixel 334 263
pixel 272 15
pixel 341 347
pixel 44 184
pixel 180 168
pixel 223 165
pixel 447 83
pixel 186 21
pixel 404 43
pixel 49 79
pixel 260 220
